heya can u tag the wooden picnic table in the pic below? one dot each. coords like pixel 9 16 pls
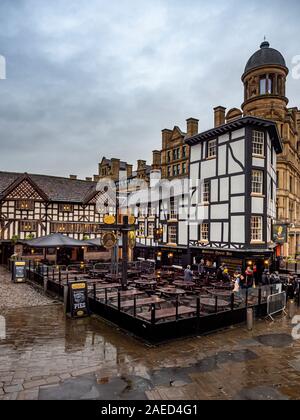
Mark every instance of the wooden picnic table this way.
pixel 210 303
pixel 168 313
pixel 145 283
pixel 221 293
pixel 150 277
pixel 123 294
pixel 166 273
pixel 184 284
pixel 219 285
pixel 172 291
pixel 141 302
pixel 98 272
pixel 107 286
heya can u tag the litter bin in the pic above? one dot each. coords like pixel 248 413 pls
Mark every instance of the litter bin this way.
pixel 250 317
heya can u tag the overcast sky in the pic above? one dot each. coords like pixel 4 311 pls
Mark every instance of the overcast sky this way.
pixel 87 79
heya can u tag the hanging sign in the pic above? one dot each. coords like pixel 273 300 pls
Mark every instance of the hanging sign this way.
pixel 280 234
pixel 109 219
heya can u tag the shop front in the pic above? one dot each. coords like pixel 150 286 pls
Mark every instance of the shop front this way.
pixel 234 260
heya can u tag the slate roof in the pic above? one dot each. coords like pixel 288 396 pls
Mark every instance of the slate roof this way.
pixel 55 188
pixel 265 56
pixel 271 126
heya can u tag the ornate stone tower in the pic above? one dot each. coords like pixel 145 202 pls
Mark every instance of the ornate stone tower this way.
pixel 264 81
pixel 265 96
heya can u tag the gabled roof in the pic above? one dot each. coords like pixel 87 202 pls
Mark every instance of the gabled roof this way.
pixel 51 188
pixel 271 126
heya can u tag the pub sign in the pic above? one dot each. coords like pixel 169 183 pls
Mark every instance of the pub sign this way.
pixel 280 234
pixel 79 307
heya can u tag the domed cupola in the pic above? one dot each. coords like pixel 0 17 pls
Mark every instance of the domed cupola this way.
pixel 265 56
pixel 264 82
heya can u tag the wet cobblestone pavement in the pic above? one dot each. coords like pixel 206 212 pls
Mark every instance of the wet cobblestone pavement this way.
pixel 14 295
pixel 46 356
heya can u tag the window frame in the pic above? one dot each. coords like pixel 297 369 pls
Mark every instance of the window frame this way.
pixel 212 150
pixel 31 205
pixel 257 229
pixel 204 232
pixel 257 185
pixel 172 237
pixel 258 142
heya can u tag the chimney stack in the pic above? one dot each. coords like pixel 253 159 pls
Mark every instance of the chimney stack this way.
pixel 192 127
pixel 73 177
pixel 115 168
pixel 166 135
pixel 129 170
pixel 156 163
pixel 219 116
pixel 88 178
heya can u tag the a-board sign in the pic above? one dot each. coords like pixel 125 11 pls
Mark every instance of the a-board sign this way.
pixel 79 306
pixel 19 272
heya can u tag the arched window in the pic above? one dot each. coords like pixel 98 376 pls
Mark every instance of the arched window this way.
pixel 263 85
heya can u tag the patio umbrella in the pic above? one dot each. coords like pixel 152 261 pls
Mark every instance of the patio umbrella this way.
pixel 56 240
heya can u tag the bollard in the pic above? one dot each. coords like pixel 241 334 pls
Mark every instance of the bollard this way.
pixel 291 306
pixel 250 316
pixel 66 295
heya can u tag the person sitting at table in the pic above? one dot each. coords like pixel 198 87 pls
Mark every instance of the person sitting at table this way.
pixel 188 274
pixel 220 272
pixel 226 275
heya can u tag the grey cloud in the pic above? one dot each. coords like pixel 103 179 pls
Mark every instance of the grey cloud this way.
pixel 86 79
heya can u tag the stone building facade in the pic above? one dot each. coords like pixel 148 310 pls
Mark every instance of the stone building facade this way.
pixel 265 96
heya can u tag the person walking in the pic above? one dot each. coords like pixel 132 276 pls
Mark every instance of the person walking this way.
pixel 249 277
pixel 201 268
pixel 188 274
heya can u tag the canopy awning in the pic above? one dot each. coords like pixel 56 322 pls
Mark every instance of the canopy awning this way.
pixel 56 240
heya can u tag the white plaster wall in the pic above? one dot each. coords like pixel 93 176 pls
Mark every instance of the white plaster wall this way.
pixel 257 205
pixel 237 204
pixel 216 232
pixel 196 152
pixel 238 149
pixel 219 211
pixel 224 138
pixel 260 163
pixel 222 160
pixel 238 184
pixel 238 133
pixel 224 189
pixel 214 190
pixel 225 232
pixel 238 229
pixel 183 233
pixel 208 168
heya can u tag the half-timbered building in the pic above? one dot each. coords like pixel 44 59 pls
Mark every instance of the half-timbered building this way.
pixel 32 206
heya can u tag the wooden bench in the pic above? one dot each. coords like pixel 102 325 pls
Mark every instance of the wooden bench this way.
pixel 168 313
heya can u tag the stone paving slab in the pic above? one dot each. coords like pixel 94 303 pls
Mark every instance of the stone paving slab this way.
pixel 46 356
